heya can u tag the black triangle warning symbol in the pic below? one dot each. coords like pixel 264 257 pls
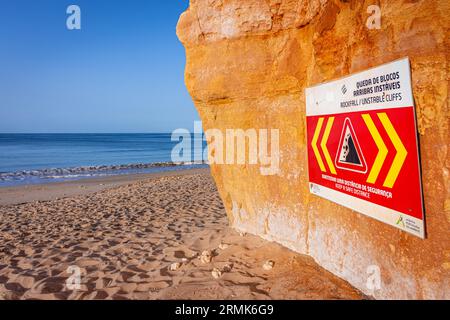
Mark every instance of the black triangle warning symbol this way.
pixel 349 155
pixel 348 151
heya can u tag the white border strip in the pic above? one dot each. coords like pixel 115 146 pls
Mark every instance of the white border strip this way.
pixel 325 98
pixel 372 210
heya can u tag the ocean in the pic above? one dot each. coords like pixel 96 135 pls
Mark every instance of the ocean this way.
pixel 43 158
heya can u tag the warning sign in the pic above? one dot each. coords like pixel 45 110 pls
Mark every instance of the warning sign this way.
pixel 350 156
pixel 362 145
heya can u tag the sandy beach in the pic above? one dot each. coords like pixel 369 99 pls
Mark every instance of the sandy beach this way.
pixel 159 236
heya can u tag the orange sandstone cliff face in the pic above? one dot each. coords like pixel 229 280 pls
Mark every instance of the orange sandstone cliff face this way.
pixel 248 63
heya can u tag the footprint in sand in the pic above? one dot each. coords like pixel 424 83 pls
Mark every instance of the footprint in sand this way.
pixel 26 282
pixel 87 263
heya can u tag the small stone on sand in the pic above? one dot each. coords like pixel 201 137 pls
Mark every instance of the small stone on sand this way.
pixel 216 273
pixel 268 265
pixel 175 266
pixel 223 246
pixel 206 256
pixel 227 267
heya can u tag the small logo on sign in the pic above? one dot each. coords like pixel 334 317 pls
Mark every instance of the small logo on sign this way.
pixel 344 89
pixel 400 222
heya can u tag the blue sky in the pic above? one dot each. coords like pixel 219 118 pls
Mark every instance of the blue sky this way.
pixel 122 72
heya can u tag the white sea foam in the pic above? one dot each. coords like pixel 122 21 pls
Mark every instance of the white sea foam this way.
pixel 87 171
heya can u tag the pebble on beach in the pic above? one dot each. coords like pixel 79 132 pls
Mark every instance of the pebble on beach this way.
pixel 227 267
pixel 223 246
pixel 216 273
pixel 206 256
pixel 175 266
pixel 268 265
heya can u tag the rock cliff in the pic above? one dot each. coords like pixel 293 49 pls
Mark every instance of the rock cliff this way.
pixel 248 63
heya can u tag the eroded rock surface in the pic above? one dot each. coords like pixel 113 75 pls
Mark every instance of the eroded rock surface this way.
pixel 248 63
